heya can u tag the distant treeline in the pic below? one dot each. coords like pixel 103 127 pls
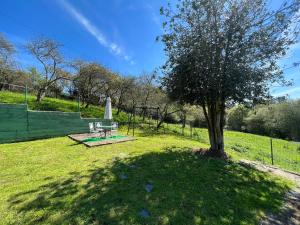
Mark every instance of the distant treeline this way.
pixel 280 120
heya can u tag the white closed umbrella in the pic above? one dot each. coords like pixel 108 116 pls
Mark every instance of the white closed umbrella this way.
pixel 108 110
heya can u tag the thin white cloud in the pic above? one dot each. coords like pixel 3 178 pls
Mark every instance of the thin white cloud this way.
pixel 290 54
pixel 295 47
pixel 95 32
pixel 154 16
pixel 287 92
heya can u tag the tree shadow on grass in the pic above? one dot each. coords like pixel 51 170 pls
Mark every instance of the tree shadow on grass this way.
pixel 186 190
pixel 150 132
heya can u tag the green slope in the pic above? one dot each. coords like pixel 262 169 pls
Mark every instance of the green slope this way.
pixel 254 147
pixel 53 104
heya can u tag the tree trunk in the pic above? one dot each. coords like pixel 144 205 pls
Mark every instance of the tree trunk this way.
pixel 144 114
pixel 118 110
pixel 215 115
pixel 159 124
pixel 183 120
pixel 119 106
pixel 41 94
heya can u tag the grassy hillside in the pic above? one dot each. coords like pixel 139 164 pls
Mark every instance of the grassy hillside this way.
pixel 57 181
pixel 53 104
pixel 252 147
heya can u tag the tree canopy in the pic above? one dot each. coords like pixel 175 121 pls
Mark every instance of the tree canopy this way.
pixel 225 51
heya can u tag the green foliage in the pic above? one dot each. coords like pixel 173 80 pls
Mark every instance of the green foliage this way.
pixel 281 120
pixel 236 116
pixel 92 80
pixel 171 118
pixel 199 118
pixel 83 186
pixel 255 122
pixel 225 51
pixel 278 120
pixel 200 121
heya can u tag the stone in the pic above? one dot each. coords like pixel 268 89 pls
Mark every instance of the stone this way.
pixel 123 176
pixel 148 187
pixel 144 213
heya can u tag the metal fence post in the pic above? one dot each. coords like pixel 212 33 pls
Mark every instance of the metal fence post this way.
pixel 26 94
pixel 78 103
pixel 157 112
pixel 271 142
pixel 133 120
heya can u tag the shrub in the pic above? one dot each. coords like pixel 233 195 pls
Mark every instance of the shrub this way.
pixel 236 117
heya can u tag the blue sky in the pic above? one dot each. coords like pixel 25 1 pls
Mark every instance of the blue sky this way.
pixel 117 33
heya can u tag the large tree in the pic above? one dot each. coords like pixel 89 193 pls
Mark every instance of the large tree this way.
pixel 146 91
pixel 225 51
pixel 47 52
pixel 124 87
pixel 92 82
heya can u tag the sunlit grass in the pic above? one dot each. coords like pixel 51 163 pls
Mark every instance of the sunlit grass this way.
pixel 240 145
pixel 57 181
pixel 53 104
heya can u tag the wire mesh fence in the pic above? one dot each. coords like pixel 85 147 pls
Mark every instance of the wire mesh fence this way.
pixel 12 87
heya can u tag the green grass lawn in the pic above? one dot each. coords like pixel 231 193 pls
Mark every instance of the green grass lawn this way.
pixel 240 145
pixel 57 181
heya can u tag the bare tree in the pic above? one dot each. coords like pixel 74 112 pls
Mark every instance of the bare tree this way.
pixel 47 52
pixel 164 104
pixel 146 89
pixel 6 60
